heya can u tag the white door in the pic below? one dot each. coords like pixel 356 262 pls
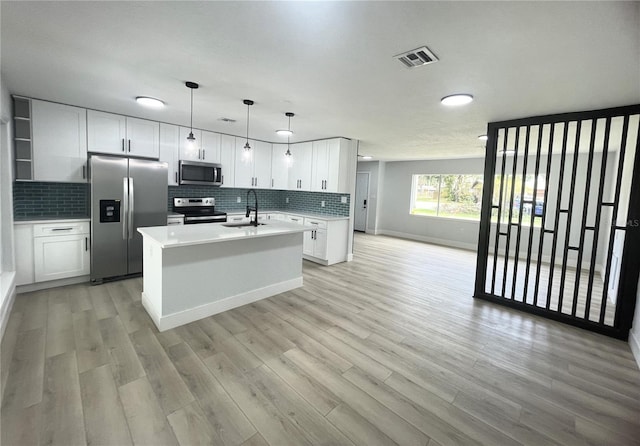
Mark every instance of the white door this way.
pixel 362 197
pixel 262 165
pixel 190 150
pixel 143 138
pixel 279 167
pixel 62 256
pixel 244 164
pixel 320 163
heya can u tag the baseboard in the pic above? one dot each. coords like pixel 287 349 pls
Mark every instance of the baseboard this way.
pixel 634 343
pixel 193 314
pixel 349 257
pixel 8 296
pixel 51 284
pixel 432 240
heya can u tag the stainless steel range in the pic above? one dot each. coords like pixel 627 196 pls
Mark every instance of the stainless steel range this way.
pixel 198 210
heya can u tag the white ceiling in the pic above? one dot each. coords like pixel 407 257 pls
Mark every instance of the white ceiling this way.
pixel 331 63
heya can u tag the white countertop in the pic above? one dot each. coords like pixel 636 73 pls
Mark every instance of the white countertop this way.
pixel 186 235
pixel 50 220
pixel 298 214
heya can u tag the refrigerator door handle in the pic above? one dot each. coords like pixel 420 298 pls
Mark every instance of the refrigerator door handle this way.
pixel 125 206
pixel 131 208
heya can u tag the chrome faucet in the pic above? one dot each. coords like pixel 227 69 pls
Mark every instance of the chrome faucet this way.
pixel 254 208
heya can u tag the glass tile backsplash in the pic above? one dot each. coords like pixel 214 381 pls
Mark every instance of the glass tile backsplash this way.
pixel 32 200
pixel 39 199
pixel 298 201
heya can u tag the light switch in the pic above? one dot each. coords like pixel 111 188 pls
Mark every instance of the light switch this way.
pixel 322 203
pixel 239 200
pixel 343 200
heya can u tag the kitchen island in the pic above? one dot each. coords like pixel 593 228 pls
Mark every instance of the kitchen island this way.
pixel 194 271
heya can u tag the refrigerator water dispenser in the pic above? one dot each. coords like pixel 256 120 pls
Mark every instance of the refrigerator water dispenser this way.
pixel 109 211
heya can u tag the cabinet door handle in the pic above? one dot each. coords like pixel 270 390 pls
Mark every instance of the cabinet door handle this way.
pixel 129 145
pixel 176 177
pixel 123 144
pixel 61 229
pixel 86 243
pixel 84 172
pixel 222 182
pixel 203 154
pixel 271 182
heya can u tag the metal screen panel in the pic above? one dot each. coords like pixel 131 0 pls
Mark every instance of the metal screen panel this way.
pixel 560 222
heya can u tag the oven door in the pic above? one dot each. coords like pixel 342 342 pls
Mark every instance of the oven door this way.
pixel 205 219
pixel 193 172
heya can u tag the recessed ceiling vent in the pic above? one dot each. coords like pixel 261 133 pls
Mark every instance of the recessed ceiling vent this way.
pixel 226 120
pixel 417 58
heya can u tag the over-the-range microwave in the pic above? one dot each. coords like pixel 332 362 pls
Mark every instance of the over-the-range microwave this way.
pixel 195 172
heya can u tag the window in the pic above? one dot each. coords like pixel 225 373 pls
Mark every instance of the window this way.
pixel 448 195
pixel 531 193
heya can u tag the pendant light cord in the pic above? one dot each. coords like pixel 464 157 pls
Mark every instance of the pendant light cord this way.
pixel 248 123
pixel 192 110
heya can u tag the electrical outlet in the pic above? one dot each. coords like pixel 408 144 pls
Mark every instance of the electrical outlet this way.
pixel 343 200
pixel 239 200
pixel 287 200
pixel 322 203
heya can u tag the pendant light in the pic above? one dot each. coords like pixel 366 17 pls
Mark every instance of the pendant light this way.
pixel 248 103
pixel 191 140
pixel 288 152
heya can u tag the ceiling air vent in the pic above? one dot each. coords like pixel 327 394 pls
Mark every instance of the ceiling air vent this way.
pixel 226 120
pixel 416 58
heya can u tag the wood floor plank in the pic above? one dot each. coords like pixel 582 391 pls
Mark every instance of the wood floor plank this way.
pixel 317 395
pixel 316 429
pixel 272 425
pixel 124 362
pixel 61 417
pixel 26 371
pixel 104 418
pixel 20 426
pixel 90 348
pixel 147 422
pixel 357 428
pixel 191 427
pixel 256 440
pixel 79 299
pixel 266 345
pixel 101 302
pixel 225 417
pixel 34 310
pixel 384 419
pixel 166 382
pixel 7 347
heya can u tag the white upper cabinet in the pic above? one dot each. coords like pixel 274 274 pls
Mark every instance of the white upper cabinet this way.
pixel 143 138
pixel 169 147
pixel 228 160
pixel 59 142
pixel 122 135
pixel 331 160
pixel 190 150
pixel 206 147
pixel 210 147
pixel 253 167
pixel 300 169
pixel 280 164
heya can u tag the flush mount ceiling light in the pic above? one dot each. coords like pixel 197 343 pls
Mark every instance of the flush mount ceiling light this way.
pixel 367 157
pixel 288 133
pixel 248 103
pixel 192 86
pixel 483 137
pixel 149 102
pixel 456 99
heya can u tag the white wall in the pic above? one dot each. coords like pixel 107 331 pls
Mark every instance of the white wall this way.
pixel 393 210
pixel 7 264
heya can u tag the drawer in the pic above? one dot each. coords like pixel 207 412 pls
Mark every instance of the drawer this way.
pixel 69 228
pixel 316 222
pixel 294 219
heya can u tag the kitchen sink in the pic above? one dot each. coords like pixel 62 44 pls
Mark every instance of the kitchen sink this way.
pixel 239 225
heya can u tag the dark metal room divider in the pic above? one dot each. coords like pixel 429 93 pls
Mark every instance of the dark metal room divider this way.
pixel 560 223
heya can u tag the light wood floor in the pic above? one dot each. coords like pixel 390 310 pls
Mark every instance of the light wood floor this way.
pixel 390 348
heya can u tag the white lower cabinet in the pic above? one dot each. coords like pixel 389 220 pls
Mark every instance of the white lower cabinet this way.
pixel 52 251
pixel 60 250
pixel 327 243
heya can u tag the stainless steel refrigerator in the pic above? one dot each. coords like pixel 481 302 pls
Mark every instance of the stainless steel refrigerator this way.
pixel 126 194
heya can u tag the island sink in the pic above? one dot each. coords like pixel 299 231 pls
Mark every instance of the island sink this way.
pixel 241 225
